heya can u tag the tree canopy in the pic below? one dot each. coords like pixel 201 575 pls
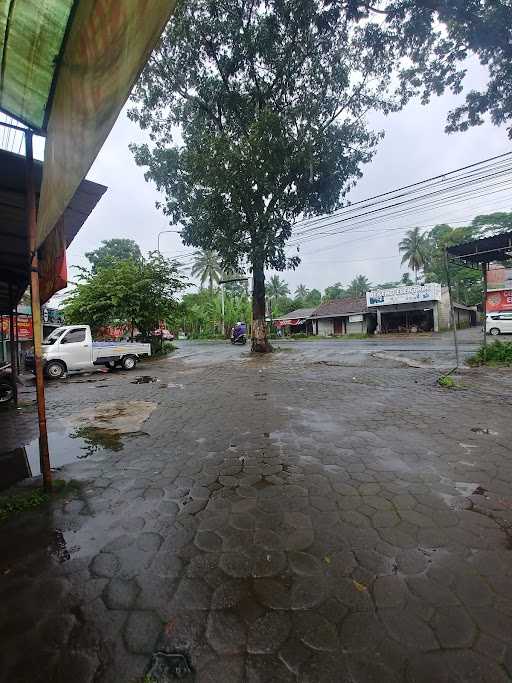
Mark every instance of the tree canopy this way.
pixel 118 249
pixel 207 267
pixel 136 293
pixel 270 99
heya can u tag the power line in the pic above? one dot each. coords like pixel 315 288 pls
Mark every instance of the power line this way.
pixel 406 187
pixel 433 203
pixel 429 196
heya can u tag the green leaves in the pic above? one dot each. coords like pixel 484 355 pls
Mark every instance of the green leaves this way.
pixel 125 292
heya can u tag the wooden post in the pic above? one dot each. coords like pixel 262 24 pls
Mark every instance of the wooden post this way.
pixel 13 346
pixel 484 308
pixel 44 455
pixel 452 309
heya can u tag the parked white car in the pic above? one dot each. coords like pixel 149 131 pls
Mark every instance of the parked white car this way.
pixel 71 349
pixel 499 323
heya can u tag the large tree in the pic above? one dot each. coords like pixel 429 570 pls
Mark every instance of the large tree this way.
pixel 466 282
pixel 118 249
pixel 430 40
pixel 136 293
pixel 270 99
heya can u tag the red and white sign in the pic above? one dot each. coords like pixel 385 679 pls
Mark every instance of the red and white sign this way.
pixel 24 327
pixel 499 301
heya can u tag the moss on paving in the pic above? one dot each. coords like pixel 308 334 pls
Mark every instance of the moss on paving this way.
pixel 14 501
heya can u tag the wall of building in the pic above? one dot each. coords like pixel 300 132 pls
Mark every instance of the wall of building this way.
pixel 325 327
pixel 463 317
pixel 357 328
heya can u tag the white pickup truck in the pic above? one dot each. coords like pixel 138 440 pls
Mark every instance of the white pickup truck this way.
pixel 71 349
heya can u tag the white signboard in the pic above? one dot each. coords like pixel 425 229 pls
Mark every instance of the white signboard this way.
pixel 404 295
pixel 358 318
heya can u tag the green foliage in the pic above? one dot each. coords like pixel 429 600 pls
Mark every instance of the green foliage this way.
pixel 277 288
pixel 415 250
pixel 111 251
pixel 199 315
pixel 207 267
pixel 447 382
pixel 14 503
pixel 466 283
pixel 499 353
pixel 140 293
pixel 335 291
pixel 492 223
pixel 429 42
pixel 358 287
pixel 270 99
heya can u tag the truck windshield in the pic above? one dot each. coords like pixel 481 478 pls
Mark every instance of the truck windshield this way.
pixel 53 336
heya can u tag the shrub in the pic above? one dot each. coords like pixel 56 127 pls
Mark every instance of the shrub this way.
pixel 498 353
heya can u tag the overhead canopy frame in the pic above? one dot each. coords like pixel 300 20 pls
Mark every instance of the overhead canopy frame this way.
pixel 483 251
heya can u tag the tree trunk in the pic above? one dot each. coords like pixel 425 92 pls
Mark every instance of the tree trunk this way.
pixel 259 340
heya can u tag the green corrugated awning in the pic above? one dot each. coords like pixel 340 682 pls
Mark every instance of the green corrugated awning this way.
pixel 31 38
pixel 67 68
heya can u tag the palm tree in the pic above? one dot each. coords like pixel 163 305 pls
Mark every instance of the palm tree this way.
pixel 414 248
pixel 277 288
pixel 406 280
pixel 359 286
pixel 301 292
pixel 206 267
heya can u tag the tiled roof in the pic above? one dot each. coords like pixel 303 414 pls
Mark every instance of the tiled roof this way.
pixel 338 307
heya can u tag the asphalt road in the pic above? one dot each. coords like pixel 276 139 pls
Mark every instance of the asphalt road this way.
pixel 436 349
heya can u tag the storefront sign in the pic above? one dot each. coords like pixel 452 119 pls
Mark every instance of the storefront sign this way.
pixel 499 301
pixel 404 295
pixel 24 327
pixel 358 318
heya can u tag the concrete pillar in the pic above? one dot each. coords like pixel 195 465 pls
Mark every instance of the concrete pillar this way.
pixel 435 310
pixel 379 321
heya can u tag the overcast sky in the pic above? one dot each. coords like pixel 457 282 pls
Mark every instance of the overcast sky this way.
pixel 415 147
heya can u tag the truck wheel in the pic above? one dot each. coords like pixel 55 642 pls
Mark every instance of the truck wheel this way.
pixel 494 331
pixel 129 362
pixel 111 365
pixel 55 369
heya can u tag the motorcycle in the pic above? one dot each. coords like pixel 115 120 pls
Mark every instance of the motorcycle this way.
pixel 239 339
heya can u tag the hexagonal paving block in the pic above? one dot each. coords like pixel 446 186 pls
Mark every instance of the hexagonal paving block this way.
pixel 120 593
pixel 267 633
pixel 141 631
pixel 226 632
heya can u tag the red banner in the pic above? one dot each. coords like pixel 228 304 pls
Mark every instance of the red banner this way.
pixel 25 331
pixel 499 301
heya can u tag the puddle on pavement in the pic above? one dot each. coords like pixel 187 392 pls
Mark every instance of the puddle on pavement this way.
pixel 79 444
pixel 144 379
pixel 95 430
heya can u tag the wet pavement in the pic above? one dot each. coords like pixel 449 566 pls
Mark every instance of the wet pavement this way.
pixel 317 515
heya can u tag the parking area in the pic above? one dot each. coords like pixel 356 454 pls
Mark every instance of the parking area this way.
pixel 317 515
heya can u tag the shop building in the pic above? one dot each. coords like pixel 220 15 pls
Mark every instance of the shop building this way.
pixel 343 316
pixel 295 321
pixel 419 308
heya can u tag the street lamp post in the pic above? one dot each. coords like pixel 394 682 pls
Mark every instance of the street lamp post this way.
pixel 161 233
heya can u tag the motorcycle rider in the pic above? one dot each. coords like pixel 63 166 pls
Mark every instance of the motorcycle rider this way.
pixel 238 330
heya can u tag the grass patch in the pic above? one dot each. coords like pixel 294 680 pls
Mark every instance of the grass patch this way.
pixel 447 382
pixel 497 354
pixel 14 503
